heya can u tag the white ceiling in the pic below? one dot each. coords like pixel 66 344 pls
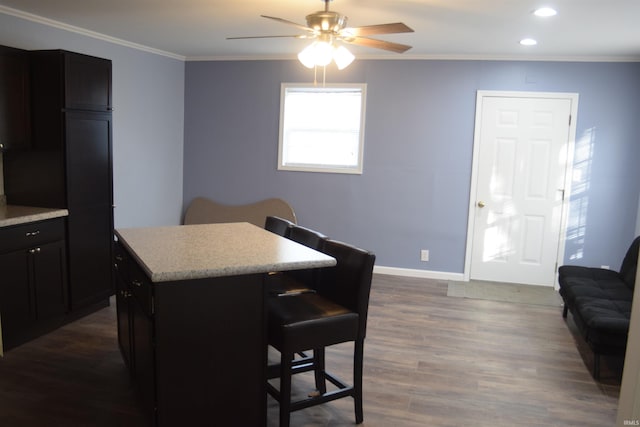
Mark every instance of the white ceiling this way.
pixel 459 29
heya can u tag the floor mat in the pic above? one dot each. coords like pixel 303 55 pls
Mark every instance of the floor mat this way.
pixel 508 292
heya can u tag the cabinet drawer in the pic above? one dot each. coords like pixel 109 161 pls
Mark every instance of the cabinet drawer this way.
pixel 28 235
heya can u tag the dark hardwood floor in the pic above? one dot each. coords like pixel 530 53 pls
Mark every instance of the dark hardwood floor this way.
pixel 430 360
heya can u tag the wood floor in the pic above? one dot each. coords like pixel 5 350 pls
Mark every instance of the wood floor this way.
pixel 430 360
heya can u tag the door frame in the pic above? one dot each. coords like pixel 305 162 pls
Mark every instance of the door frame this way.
pixel 481 94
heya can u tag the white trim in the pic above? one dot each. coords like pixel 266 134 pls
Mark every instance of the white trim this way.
pixel 73 29
pixel 573 98
pixel 423 274
pixel 442 57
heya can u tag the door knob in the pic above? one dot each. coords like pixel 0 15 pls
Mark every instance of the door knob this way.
pixel 481 204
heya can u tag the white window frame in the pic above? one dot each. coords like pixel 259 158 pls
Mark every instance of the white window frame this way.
pixel 318 167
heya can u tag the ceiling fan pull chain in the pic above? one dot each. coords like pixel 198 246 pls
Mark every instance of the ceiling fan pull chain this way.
pixel 324 76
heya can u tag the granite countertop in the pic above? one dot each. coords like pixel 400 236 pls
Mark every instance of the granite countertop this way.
pixel 14 215
pixel 198 251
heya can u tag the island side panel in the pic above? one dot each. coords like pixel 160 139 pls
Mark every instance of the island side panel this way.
pixel 211 351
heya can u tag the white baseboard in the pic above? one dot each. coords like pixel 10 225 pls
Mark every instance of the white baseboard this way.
pixel 423 274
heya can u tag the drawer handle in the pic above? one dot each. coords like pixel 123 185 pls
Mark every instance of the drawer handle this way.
pixel 119 258
pixel 33 233
pixel 137 283
pixel 34 251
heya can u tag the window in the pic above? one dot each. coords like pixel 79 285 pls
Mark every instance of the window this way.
pixel 322 128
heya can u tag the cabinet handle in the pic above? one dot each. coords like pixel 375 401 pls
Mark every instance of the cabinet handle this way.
pixel 137 283
pixel 119 258
pixel 34 250
pixel 1 145
pixel 32 233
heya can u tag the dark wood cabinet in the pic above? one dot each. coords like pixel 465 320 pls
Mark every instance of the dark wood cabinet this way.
pixel 33 290
pixel 125 304
pixel 135 327
pixel 89 200
pixel 15 128
pixel 15 297
pixel 87 82
pixel 69 164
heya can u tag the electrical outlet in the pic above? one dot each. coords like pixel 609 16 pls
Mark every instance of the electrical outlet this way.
pixel 424 255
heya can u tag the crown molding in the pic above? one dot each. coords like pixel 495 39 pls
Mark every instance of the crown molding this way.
pixel 73 29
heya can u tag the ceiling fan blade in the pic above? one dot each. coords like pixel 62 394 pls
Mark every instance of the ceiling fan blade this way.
pixel 284 21
pixel 378 44
pixel 369 30
pixel 266 37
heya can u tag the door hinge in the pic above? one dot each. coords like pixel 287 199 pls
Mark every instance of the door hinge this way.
pixel 556 268
pixel 569 119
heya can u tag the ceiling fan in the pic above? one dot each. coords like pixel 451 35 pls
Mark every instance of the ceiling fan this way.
pixel 326 27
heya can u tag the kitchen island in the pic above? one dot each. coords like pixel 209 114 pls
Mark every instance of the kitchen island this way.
pixel 191 318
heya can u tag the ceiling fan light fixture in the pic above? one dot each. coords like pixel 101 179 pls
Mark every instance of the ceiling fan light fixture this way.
pixel 329 30
pixel 342 57
pixel 318 53
pixel 306 57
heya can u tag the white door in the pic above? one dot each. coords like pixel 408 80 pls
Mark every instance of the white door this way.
pixel 520 174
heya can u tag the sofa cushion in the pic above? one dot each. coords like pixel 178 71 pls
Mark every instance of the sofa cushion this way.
pixel 606 322
pixel 593 283
pixel 575 271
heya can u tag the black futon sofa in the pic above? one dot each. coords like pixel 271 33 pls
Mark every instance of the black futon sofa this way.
pixel 600 302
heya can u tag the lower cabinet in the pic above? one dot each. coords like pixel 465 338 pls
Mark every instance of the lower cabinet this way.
pixel 135 328
pixel 33 290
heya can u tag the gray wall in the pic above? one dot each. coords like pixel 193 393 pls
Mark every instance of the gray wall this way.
pixel 414 192
pixel 148 121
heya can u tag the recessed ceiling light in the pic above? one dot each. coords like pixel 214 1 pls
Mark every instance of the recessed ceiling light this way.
pixel 528 42
pixel 545 12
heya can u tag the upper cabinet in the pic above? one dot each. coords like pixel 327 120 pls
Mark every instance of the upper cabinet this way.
pixel 14 99
pixel 88 83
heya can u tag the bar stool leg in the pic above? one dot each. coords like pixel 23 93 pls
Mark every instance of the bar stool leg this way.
pixel 285 388
pixel 358 357
pixel 319 368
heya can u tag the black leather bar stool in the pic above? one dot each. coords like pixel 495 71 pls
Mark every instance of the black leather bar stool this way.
pixel 277 225
pixel 294 282
pixel 336 313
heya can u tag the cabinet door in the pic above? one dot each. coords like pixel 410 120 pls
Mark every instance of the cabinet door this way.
pixel 90 238
pixel 144 359
pixel 87 82
pixel 15 297
pixel 89 197
pixel 88 147
pixel 123 309
pixel 14 99
pixel 49 279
